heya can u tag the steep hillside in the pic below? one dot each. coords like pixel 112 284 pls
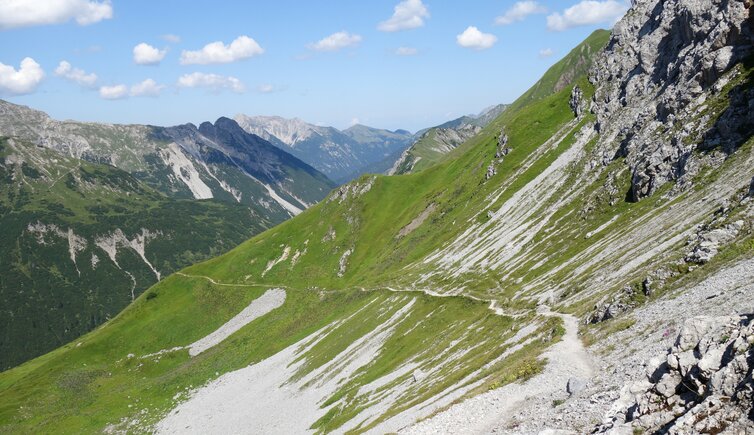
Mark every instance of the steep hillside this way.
pixel 435 143
pixel 454 295
pixel 341 155
pixel 181 161
pixel 80 241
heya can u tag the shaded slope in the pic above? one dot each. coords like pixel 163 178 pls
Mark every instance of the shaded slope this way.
pixel 80 241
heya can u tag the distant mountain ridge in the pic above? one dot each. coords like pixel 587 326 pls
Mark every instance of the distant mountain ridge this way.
pixel 341 155
pixel 434 143
pixel 181 161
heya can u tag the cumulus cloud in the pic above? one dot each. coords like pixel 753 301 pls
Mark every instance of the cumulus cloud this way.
pixel 24 13
pixel 147 88
pixel 75 75
pixel 214 82
pixel 475 39
pixel 406 51
pixel 22 81
pixel 408 14
pixel 241 48
pixel 336 41
pixel 145 54
pixel 169 37
pixel 587 12
pixel 546 52
pixel 519 11
pixel 115 92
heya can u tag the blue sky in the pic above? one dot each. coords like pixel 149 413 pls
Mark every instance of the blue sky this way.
pixel 441 74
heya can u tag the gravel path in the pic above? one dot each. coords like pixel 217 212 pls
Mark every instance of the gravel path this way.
pixel 624 357
pixel 566 359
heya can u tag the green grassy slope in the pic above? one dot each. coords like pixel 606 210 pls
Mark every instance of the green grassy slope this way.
pixel 46 200
pixel 342 262
pixel 567 70
pixel 425 153
pixel 98 381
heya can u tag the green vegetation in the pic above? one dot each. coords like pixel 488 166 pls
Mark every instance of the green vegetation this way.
pixel 97 381
pixel 348 268
pixel 50 299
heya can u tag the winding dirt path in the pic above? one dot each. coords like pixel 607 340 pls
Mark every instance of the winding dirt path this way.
pixel 221 284
pixel 485 412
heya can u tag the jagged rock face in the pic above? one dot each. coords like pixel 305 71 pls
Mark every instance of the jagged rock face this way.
pixel 704 385
pixel 663 61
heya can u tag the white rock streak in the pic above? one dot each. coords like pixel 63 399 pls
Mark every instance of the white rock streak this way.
pixel 264 398
pixel 491 244
pixel 482 413
pixel 138 244
pixel 271 299
pixel 184 170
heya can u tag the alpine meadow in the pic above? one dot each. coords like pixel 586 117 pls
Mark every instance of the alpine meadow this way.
pixel 522 244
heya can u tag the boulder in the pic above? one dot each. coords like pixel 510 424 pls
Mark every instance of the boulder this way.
pixel 576 385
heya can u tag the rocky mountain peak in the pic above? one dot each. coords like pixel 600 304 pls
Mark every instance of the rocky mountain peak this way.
pixel 665 59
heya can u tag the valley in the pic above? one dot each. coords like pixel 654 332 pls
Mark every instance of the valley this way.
pixel 578 261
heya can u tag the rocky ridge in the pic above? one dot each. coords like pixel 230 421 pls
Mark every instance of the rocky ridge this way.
pixel 434 143
pixel 663 63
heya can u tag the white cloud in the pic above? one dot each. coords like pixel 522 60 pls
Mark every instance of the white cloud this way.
pixel 147 88
pixel 214 82
pixel 406 51
pixel 242 47
pixel 145 54
pixel 115 92
pixel 546 52
pixel 336 41
pixel 269 88
pixel 355 121
pixel 473 38
pixel 169 37
pixel 408 14
pixel 24 13
pixel 587 12
pixel 22 81
pixel 76 75
pixel 519 11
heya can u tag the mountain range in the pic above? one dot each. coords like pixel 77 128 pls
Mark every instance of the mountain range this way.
pixel 341 155
pixel 94 214
pixel 582 264
pixel 433 144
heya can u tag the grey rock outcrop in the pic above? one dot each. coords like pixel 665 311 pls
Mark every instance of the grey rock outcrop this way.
pixel 704 385
pixel 502 150
pixel 706 243
pixel 613 307
pixel 662 63
pixel 577 103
